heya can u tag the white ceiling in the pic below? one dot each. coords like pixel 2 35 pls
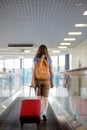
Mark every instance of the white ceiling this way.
pixel 40 22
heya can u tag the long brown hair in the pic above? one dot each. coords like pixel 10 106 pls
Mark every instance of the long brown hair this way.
pixel 42 50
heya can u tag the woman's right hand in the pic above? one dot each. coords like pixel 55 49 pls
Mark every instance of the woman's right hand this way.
pixel 33 84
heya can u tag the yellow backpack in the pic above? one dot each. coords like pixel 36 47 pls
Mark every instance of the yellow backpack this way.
pixel 42 69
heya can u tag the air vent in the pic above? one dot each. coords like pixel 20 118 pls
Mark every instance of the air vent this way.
pixel 20 45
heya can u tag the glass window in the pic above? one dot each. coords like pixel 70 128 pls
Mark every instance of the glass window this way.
pixel 9 63
pixel 61 62
pixel 55 62
pixel 55 70
pixel 16 64
pixel 28 62
pixel 1 65
pixel 70 61
pixel 27 70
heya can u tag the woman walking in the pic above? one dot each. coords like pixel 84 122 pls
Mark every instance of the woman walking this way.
pixel 43 85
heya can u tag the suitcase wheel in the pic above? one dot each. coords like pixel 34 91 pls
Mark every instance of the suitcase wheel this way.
pixel 38 123
pixel 22 124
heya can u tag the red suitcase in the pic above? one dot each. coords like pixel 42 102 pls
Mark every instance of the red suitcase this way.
pixel 30 111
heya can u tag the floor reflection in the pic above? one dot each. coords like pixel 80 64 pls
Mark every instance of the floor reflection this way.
pixel 73 103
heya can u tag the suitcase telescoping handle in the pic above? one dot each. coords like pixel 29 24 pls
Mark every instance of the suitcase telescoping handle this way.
pixel 32 88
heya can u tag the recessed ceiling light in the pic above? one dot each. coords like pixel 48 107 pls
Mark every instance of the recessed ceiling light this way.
pixel 80 25
pixel 20 57
pixel 65 43
pixel 27 51
pixel 74 33
pixel 1 56
pixel 69 39
pixel 55 51
pixel 62 47
pixel 85 13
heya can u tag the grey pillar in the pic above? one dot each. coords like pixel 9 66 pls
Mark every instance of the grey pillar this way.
pixel 67 62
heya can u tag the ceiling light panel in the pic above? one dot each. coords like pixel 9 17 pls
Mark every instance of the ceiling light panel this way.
pixel 85 13
pixel 27 51
pixel 74 33
pixel 62 47
pixel 65 43
pixel 69 39
pixel 21 57
pixel 55 51
pixel 80 25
